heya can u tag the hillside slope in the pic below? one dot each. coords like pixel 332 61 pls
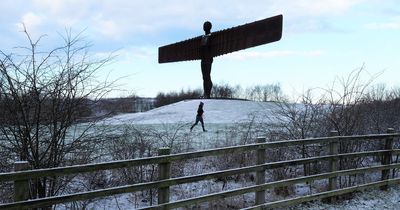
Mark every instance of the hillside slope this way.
pixel 216 111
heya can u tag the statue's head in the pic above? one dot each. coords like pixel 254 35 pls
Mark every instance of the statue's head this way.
pixel 207 27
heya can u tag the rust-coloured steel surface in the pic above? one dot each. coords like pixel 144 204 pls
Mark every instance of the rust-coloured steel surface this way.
pixel 225 41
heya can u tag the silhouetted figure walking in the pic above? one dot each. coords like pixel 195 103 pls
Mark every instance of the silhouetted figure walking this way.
pixel 199 117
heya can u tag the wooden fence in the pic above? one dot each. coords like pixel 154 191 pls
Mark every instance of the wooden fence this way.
pixel 22 175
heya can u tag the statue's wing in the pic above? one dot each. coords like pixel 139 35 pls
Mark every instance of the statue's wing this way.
pixel 246 36
pixel 225 41
pixel 180 51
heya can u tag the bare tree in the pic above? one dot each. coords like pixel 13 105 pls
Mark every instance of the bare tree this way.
pixel 299 119
pixel 341 107
pixel 383 108
pixel 268 92
pixel 343 98
pixel 43 97
pixel 344 113
pixel 224 91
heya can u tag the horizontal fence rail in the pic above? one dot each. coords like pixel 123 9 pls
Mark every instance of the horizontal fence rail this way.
pixel 244 190
pixel 37 173
pixel 259 187
pixel 321 195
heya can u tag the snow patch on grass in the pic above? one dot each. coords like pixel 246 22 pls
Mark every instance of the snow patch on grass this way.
pixel 373 199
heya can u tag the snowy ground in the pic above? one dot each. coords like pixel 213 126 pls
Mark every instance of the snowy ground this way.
pixel 221 115
pixel 368 200
pixel 374 199
pixel 216 111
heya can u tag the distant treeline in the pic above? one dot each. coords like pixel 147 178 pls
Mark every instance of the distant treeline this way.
pixel 268 92
pixel 130 104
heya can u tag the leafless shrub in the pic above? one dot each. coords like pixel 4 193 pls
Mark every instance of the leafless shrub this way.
pixel 44 98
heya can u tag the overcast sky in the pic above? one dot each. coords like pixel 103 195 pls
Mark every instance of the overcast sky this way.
pixel 321 39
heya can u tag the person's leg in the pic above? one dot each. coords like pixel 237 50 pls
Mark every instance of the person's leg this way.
pixel 195 123
pixel 202 123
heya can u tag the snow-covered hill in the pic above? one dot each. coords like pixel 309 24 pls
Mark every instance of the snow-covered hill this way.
pixel 227 112
pixel 216 111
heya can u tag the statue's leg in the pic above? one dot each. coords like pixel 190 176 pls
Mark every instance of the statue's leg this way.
pixel 207 83
pixel 203 72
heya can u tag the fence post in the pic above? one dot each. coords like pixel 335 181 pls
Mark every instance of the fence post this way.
pixel 333 163
pixel 21 187
pixel 387 158
pixel 164 172
pixel 260 175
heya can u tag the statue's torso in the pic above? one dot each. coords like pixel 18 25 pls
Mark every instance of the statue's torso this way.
pixel 206 55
